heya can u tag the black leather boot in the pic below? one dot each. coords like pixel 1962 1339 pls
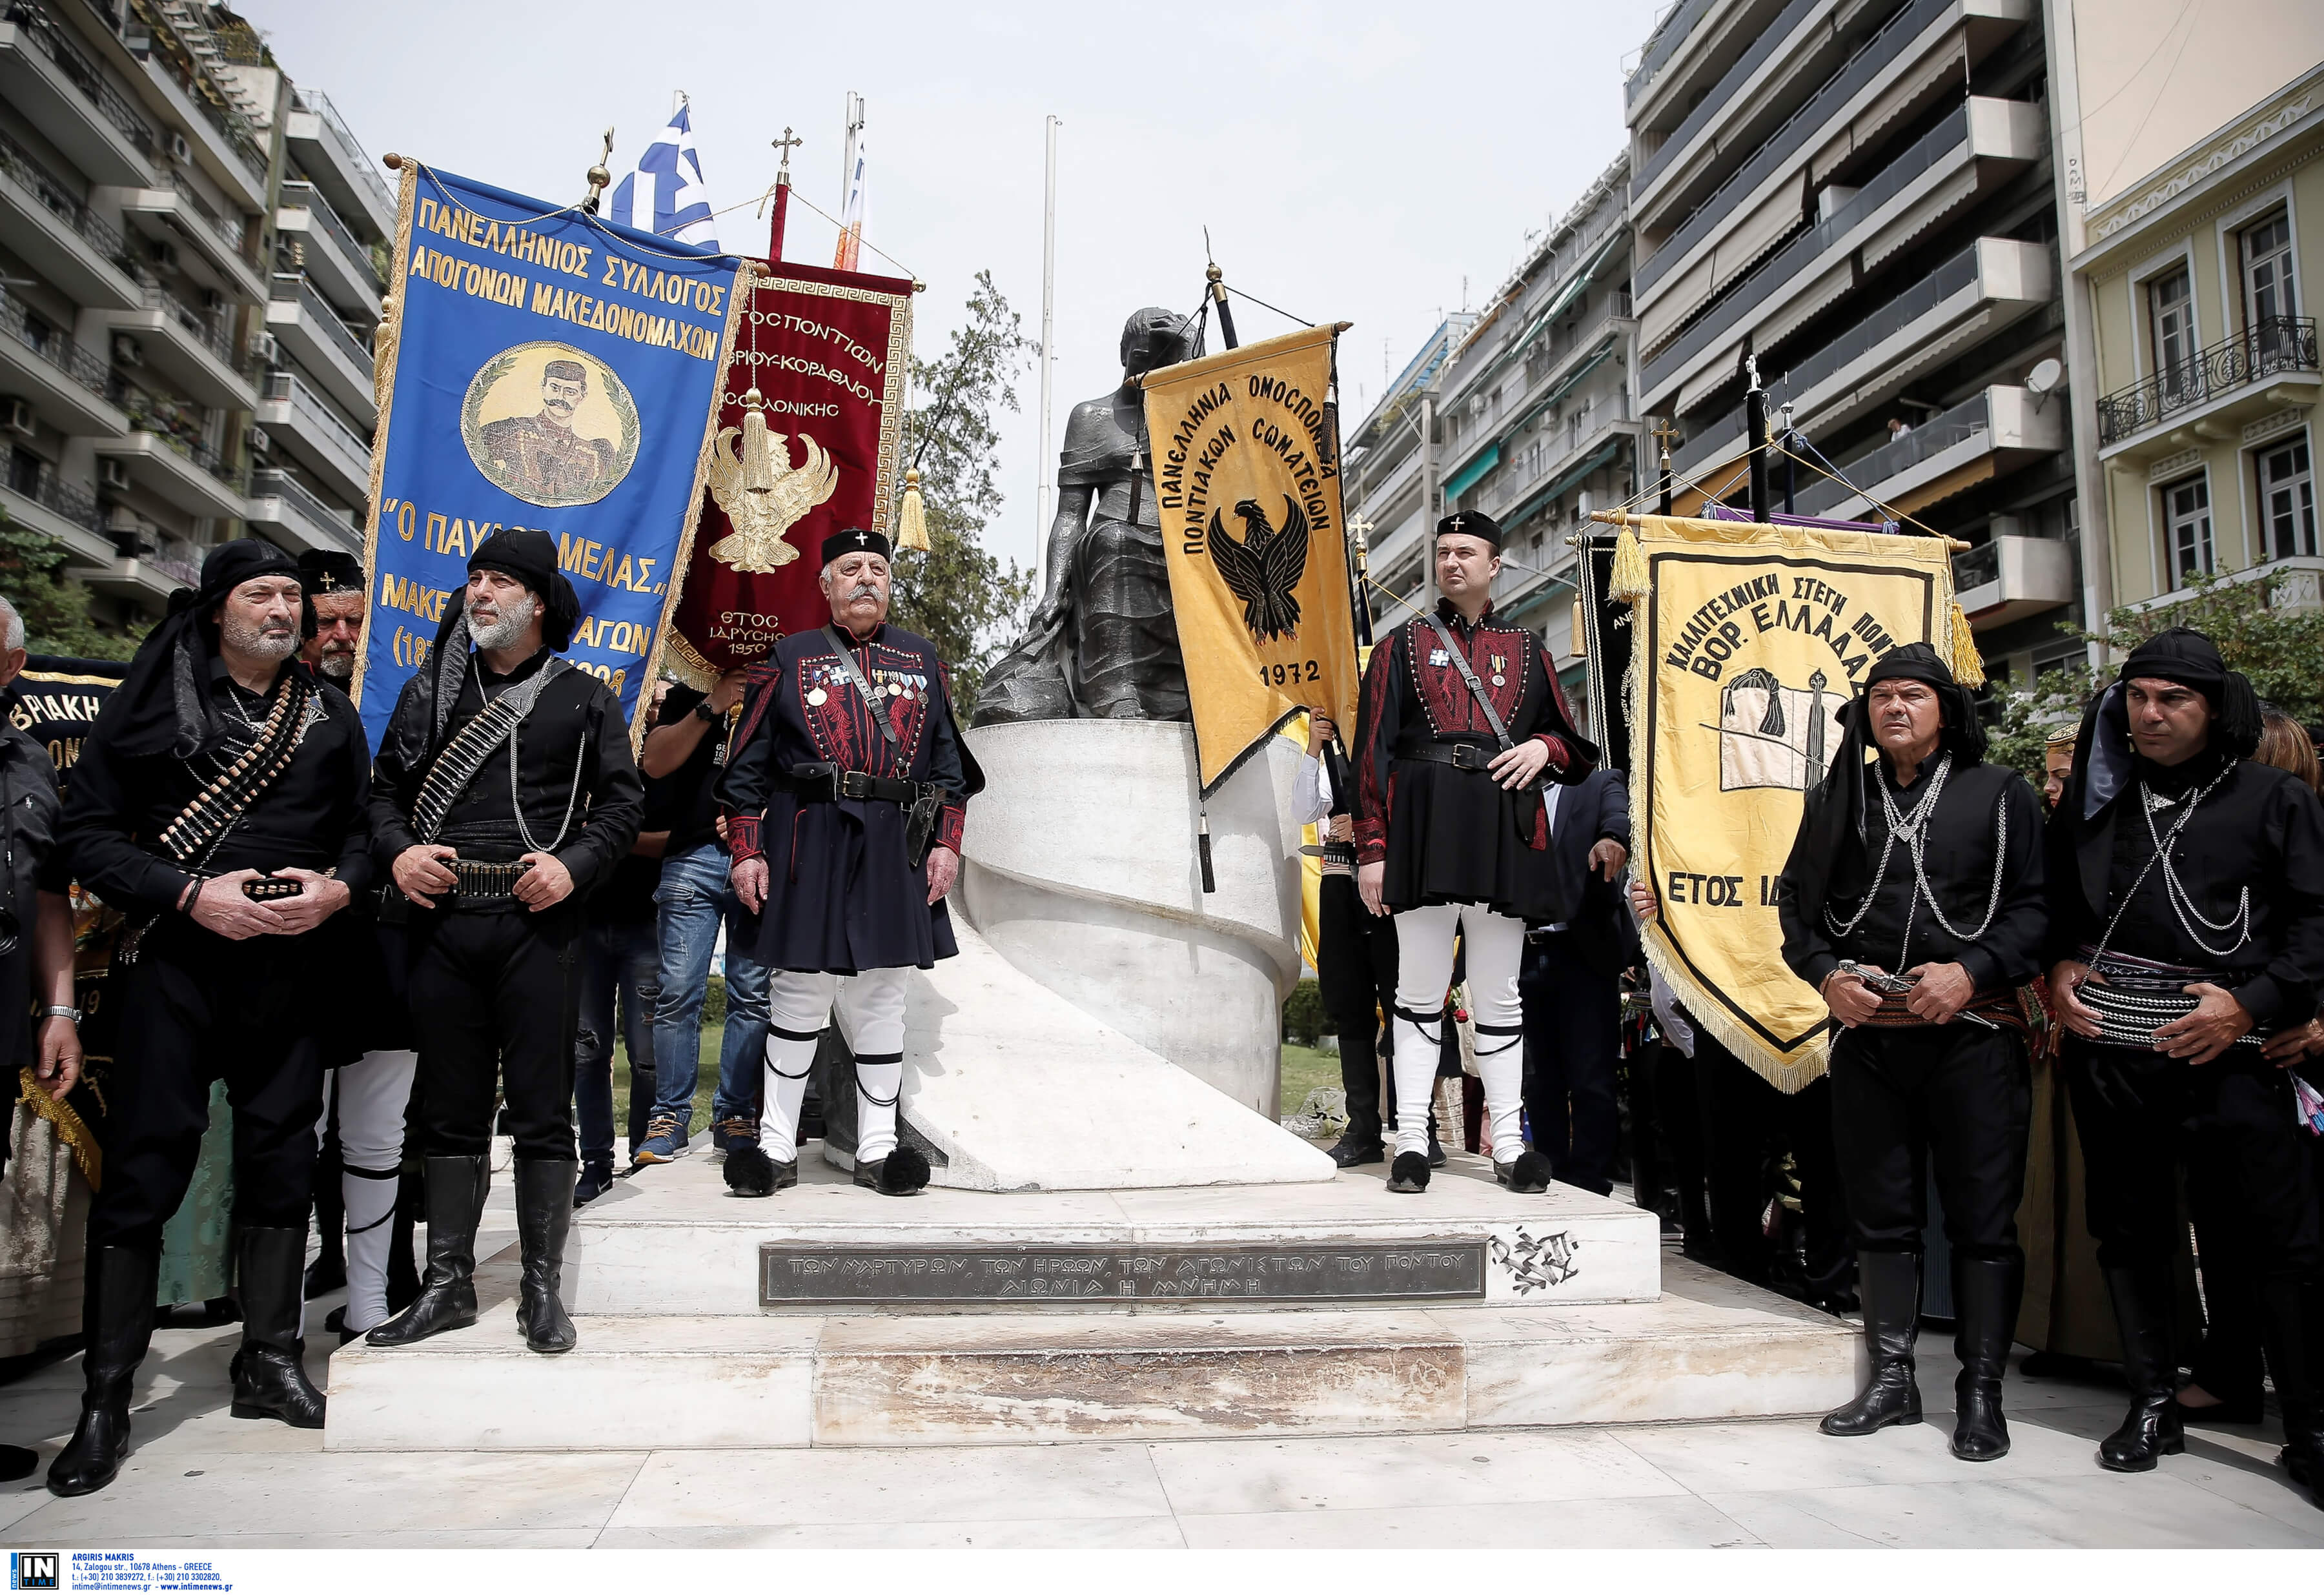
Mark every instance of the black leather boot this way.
pixel 544 1214
pixel 117 1317
pixel 448 1291
pixel 2292 1315
pixel 1985 1294
pixel 270 1373
pixel 329 1271
pixel 1891 1282
pixel 2151 1430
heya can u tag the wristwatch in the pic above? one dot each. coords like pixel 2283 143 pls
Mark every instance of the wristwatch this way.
pixel 58 1011
pixel 706 713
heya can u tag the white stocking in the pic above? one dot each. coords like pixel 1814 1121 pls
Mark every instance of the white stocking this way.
pixel 799 1006
pixel 872 1017
pixel 1494 948
pixel 373 1092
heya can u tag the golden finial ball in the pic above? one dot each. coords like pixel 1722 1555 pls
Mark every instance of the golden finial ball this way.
pixel 754 397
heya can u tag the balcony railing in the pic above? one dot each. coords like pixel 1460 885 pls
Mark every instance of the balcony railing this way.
pixel 2277 344
pixel 48 36
pixel 54 494
pixel 351 148
pixel 54 346
pixel 1974 567
pixel 292 287
pixel 231 127
pixel 1664 44
pixel 229 230
pixel 282 485
pixel 284 385
pixel 1931 437
pixel 1781 145
pixel 298 196
pixel 154 424
pixel 1771 274
pixel 20 164
pixel 203 330
pixel 1724 93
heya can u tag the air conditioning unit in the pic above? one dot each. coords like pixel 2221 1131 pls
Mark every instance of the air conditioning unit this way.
pixel 122 521
pixel 260 443
pixel 163 254
pixel 17 415
pixel 265 348
pixel 180 150
pixel 112 475
pixel 127 350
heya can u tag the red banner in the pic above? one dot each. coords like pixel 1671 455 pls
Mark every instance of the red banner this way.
pixel 826 353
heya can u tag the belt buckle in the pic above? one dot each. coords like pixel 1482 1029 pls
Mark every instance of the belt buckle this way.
pixel 855 784
pixel 1469 756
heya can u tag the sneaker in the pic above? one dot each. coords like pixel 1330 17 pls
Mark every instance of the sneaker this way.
pixel 664 1140
pixel 727 1134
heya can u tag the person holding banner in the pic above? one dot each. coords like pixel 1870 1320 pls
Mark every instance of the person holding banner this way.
pixel 1912 901
pixel 219 802
pixel 1460 722
pixel 2186 926
pixel 845 797
pixel 504 792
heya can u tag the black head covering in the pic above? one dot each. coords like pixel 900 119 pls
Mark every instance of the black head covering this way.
pixel 165 703
pixel 854 540
pixel 1471 523
pixel 2103 758
pixel 529 555
pixel 328 570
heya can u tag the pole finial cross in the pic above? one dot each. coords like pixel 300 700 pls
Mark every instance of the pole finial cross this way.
pixel 787 144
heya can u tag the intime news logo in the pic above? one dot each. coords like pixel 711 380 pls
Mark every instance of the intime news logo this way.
pixel 34 1570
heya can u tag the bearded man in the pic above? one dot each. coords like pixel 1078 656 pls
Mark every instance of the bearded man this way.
pixel 505 792
pixel 846 798
pixel 218 802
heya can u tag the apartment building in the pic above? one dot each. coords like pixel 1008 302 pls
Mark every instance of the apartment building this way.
pixel 191 258
pixel 1392 481
pixel 2195 227
pixel 1860 194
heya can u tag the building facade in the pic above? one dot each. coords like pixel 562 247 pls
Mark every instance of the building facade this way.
pixel 191 258
pixel 1392 485
pixel 2196 232
pixel 1859 194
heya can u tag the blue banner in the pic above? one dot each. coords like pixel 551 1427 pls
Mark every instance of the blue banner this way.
pixel 546 369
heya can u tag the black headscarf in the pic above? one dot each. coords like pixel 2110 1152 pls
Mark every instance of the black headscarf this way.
pixel 529 556
pixel 2104 757
pixel 166 706
pixel 1837 808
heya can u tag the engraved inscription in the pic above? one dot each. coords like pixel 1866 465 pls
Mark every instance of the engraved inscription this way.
pixel 1089 1275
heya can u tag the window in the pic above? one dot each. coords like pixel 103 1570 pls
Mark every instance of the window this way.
pixel 2287 492
pixel 2171 300
pixel 2269 300
pixel 24 469
pixel 2187 508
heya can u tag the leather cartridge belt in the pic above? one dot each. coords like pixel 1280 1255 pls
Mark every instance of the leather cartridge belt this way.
pixel 829 783
pixel 1459 755
pixel 479 880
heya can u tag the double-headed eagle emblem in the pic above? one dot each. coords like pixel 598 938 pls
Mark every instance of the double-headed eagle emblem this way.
pixel 763 494
pixel 1265 567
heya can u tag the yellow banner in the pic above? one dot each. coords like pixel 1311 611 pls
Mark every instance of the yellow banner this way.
pixel 1247 478
pixel 1749 640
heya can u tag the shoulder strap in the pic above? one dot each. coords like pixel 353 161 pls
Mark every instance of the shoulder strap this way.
pixel 863 687
pixel 1475 688
pixel 461 757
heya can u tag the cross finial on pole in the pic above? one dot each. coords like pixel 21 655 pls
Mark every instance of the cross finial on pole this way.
pixel 1664 432
pixel 787 144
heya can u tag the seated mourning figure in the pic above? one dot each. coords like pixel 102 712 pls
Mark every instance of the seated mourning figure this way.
pixel 1102 644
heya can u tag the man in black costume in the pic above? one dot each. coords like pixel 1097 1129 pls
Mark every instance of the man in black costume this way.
pixel 1461 721
pixel 1913 902
pixel 2186 888
pixel 845 797
pixel 504 792
pixel 218 802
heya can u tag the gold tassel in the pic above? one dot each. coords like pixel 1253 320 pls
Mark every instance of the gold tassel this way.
pixel 1969 665
pixel 1627 583
pixel 911 516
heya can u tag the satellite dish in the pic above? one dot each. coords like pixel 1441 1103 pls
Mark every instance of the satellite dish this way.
pixel 2044 377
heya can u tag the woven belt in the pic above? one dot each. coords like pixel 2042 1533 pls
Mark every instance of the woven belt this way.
pixel 2138 997
pixel 1993 1011
pixel 480 881
pixel 1459 755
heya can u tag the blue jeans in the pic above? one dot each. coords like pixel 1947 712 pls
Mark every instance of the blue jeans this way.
pixel 694 898
pixel 618 965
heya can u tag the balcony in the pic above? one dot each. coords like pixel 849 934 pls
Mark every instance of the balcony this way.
pixel 334 261
pixel 305 325
pixel 291 515
pixel 332 156
pixel 2009 577
pixel 67 516
pixel 301 423
pixel 1675 30
pixel 59 237
pixel 146 580
pixel 178 470
pixel 2266 366
pixel 222 140
pixel 1967 154
pixel 65 385
pixel 184 346
pixel 175 217
pixel 1726 96
pixel 1986 436
pixel 46 77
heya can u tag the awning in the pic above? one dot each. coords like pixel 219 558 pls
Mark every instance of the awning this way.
pixel 1466 477
pixel 1573 290
pixel 1555 487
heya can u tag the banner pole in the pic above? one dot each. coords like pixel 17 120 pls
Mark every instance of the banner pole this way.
pixel 787 144
pixel 1046 460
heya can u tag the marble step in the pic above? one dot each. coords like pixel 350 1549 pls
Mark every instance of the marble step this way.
pixel 1709 1348
pixel 670 1239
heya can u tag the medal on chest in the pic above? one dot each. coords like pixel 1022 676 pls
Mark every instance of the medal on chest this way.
pixel 1439 657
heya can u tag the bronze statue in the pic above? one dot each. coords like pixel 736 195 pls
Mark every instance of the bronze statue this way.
pixel 1102 644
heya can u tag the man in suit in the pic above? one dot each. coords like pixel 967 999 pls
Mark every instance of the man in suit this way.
pixel 1571 983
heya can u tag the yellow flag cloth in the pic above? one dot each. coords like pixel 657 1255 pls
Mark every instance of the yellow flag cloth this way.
pixel 1247 478
pixel 1749 641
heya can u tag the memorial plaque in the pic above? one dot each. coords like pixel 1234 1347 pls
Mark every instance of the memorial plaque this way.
pixel 797 1275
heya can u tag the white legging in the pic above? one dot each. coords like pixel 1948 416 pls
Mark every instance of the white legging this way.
pixel 1495 947
pixel 870 1016
pixel 372 1094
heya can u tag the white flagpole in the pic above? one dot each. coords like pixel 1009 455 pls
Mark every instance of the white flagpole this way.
pixel 1047 461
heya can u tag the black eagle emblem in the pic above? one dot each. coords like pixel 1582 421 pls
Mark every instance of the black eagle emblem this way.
pixel 1265 567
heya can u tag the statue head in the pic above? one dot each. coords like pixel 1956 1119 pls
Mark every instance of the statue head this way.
pixel 1154 337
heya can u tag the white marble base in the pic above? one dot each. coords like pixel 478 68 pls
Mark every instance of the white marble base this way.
pixel 1708 1349
pixel 672 1240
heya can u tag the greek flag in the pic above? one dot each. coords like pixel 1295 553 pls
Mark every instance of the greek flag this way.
pixel 664 194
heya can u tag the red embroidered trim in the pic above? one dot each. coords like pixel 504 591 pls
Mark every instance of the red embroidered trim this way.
pixel 743 836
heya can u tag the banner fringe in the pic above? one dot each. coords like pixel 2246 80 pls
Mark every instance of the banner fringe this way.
pixel 1628 582
pixel 1968 664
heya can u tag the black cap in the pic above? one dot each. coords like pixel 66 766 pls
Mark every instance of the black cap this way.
pixel 328 570
pixel 1473 524
pixel 855 540
pixel 529 555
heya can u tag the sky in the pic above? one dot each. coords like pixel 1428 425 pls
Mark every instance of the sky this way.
pixel 1361 162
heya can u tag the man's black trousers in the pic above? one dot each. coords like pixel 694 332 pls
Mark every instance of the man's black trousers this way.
pixel 1746 1123
pixel 1572 1040
pixel 1355 975
pixel 496 1001
pixel 193 1009
pixel 1957 1096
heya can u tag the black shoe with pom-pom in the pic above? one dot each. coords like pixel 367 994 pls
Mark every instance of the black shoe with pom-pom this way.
pixel 750 1172
pixel 901 1172
pixel 1408 1175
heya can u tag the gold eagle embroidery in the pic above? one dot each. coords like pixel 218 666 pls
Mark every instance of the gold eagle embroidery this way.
pixel 763 494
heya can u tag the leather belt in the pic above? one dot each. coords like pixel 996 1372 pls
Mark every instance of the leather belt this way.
pixel 829 783
pixel 479 880
pixel 1459 755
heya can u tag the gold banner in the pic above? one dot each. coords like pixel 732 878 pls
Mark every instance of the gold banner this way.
pixel 1247 478
pixel 1749 640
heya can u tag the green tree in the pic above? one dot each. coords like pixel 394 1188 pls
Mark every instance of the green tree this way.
pixel 54 607
pixel 962 598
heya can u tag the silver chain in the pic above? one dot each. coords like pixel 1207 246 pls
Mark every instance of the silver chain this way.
pixel 1914 834
pixel 2182 903
pixel 516 801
